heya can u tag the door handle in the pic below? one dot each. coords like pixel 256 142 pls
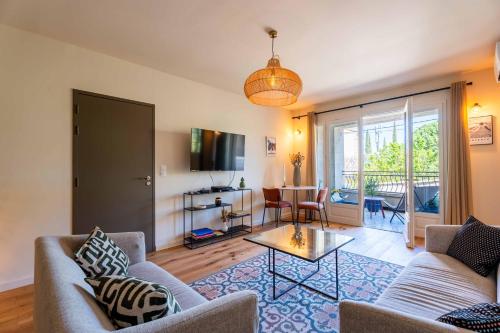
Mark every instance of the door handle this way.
pixel 148 180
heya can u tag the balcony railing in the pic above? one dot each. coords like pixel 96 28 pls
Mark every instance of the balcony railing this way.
pixel 392 186
pixel 389 181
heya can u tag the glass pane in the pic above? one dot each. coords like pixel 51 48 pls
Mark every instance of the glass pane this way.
pixel 384 153
pixel 344 164
pixel 426 161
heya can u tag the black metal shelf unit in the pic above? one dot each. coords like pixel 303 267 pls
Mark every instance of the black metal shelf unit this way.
pixel 235 229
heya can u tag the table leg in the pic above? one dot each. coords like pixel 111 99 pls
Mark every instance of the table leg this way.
pixel 336 275
pixel 274 277
pixel 295 204
pixel 304 279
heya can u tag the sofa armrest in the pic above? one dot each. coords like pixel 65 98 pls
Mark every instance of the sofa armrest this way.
pixel 132 243
pixel 235 312
pixel 438 237
pixel 359 317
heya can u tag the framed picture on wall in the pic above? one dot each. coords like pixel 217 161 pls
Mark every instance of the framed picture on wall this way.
pixel 481 130
pixel 270 146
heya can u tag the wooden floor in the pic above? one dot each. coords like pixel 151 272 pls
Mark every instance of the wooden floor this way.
pixel 16 306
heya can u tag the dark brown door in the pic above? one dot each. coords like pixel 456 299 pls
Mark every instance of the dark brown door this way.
pixel 113 165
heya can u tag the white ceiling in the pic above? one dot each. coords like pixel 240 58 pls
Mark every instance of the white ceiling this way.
pixel 339 48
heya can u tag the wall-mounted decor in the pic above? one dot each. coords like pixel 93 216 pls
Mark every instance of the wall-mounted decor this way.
pixel 270 146
pixel 481 130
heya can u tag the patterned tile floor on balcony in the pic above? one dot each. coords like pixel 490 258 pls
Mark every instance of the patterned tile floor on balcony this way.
pixel 378 222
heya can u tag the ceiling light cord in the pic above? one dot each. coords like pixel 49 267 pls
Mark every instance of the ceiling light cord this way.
pixel 272 46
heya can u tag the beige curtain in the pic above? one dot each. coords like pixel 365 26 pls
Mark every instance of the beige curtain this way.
pixel 311 149
pixel 458 195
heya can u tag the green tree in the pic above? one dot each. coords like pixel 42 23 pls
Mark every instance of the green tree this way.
pixel 426 147
pixel 392 156
pixel 389 158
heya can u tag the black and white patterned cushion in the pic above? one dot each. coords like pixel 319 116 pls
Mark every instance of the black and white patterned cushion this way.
pixel 483 317
pixel 130 301
pixel 99 256
pixel 477 245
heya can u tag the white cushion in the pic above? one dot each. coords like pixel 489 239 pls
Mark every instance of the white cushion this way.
pixel 434 284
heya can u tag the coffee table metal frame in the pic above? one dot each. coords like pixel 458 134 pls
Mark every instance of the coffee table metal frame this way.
pixel 272 269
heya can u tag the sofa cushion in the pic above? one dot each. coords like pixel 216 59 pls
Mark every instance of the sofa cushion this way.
pixel 130 301
pixel 434 284
pixel 477 245
pixel 99 256
pixel 185 296
pixel 483 317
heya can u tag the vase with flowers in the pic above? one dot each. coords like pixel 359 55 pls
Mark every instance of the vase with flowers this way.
pixel 296 160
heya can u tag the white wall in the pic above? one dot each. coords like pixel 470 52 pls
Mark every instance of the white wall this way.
pixel 36 78
pixel 485 160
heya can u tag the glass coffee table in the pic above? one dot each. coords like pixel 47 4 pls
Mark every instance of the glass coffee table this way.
pixel 304 243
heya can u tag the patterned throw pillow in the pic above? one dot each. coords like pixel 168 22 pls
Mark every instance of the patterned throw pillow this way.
pixel 483 317
pixel 130 301
pixel 477 245
pixel 99 256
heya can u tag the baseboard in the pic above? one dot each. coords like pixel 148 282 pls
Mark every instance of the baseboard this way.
pixel 4 286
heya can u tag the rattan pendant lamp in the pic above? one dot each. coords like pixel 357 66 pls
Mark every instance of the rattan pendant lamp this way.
pixel 273 85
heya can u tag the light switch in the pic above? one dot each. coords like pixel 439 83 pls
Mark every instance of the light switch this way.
pixel 163 170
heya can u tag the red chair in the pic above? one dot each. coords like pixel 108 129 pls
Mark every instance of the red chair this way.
pixel 272 197
pixel 317 205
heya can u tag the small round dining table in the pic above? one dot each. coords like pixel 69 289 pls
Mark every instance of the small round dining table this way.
pixel 295 190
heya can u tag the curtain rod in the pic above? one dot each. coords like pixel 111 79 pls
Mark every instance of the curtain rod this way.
pixel 379 101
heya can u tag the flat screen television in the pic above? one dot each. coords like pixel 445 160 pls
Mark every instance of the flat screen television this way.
pixel 216 151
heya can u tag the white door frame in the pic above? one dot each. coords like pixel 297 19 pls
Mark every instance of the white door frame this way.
pixel 353 214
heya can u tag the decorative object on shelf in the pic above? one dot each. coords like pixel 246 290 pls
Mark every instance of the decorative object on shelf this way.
pixel 202 233
pixel 218 201
pixel 297 238
pixel 242 183
pixel 296 160
pixel 200 206
pixel 480 131
pixel 224 216
pixel 270 146
pixel 273 85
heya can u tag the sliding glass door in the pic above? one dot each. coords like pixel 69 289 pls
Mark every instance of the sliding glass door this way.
pixel 383 164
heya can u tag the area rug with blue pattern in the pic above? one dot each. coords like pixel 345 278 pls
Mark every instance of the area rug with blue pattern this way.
pixel 302 310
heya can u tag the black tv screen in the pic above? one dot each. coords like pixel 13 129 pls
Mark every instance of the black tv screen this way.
pixel 216 151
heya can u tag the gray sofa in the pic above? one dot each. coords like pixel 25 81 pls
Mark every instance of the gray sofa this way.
pixel 430 286
pixel 64 302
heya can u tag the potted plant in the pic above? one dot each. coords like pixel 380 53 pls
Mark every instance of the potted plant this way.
pixel 371 186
